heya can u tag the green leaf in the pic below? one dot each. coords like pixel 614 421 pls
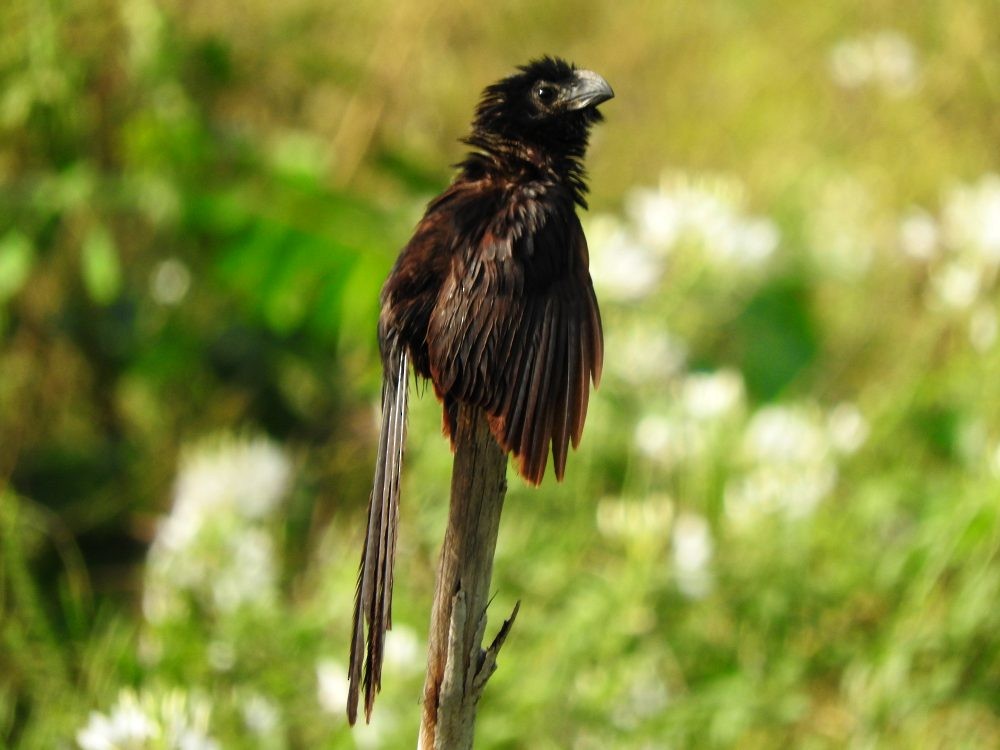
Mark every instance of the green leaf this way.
pixel 778 337
pixel 15 263
pixel 102 272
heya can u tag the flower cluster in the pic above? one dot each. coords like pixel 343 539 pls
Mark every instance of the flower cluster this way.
pixel 213 556
pixel 885 60
pixel 704 215
pixel 698 439
pixel 215 548
pixel 173 720
pixel 777 460
pixel 699 408
pixel 788 455
pixel 961 252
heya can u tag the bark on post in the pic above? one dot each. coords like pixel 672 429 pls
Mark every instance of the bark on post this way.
pixel 457 665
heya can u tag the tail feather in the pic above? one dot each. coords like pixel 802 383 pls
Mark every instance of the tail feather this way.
pixel 373 598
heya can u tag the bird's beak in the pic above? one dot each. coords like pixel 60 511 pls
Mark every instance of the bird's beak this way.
pixel 588 90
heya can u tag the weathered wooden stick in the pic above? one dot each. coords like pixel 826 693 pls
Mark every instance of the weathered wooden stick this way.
pixel 457 665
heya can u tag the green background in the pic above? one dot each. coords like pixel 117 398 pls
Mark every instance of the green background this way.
pixel 198 205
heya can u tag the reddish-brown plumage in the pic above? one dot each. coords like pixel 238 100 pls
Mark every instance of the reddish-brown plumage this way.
pixel 492 301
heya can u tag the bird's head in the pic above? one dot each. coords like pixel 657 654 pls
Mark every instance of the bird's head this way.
pixel 548 104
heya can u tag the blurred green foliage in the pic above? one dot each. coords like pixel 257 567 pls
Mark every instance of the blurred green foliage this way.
pixel 782 527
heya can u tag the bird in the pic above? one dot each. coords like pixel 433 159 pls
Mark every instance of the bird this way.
pixel 492 301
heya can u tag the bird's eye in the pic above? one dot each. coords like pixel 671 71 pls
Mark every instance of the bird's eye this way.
pixel 545 93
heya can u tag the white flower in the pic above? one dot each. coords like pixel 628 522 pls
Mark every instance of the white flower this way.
pixel 652 435
pixel 261 715
pixel 847 427
pixel 756 241
pixel 692 553
pixel 127 726
pixel 851 65
pixel 712 395
pixel 956 285
pixel 169 281
pixel 369 736
pixel 919 236
pixel 402 648
pixel 213 544
pixel 895 62
pixel 885 59
pixel 331 686
pixel 657 216
pixel 622 268
pixel 972 219
pixel 779 434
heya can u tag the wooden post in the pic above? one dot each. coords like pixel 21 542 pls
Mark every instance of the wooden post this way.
pixel 457 665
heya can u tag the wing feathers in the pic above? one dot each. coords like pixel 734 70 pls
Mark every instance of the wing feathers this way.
pixel 535 439
pixel 562 400
pixel 525 354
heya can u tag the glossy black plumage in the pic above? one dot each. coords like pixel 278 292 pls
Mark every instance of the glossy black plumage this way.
pixel 492 301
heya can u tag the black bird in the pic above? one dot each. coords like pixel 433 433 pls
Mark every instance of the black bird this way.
pixel 492 301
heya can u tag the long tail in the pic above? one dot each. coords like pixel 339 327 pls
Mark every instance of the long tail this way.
pixel 373 601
